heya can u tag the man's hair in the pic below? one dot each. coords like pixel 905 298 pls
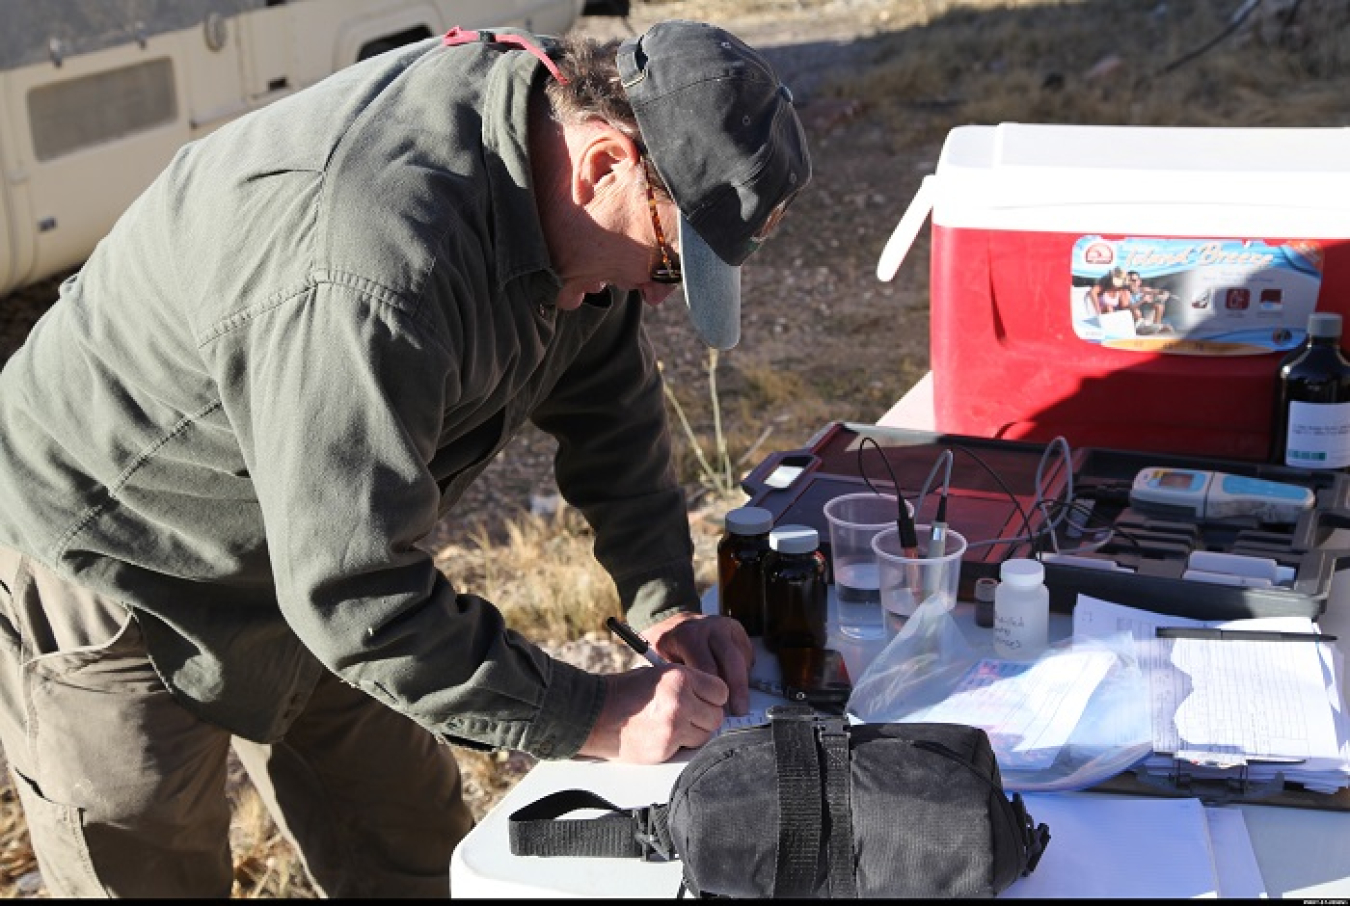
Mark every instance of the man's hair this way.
pixel 593 90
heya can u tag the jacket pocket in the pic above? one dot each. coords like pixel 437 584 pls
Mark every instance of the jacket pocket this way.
pixel 118 664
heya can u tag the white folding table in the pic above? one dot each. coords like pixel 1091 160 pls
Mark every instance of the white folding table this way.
pixel 1303 853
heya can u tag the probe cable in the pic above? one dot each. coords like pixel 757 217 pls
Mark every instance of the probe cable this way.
pixel 904 523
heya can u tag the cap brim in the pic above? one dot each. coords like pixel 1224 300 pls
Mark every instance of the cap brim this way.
pixel 712 290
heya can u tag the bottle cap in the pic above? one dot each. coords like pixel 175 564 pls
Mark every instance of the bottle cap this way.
pixel 794 539
pixel 749 520
pixel 1324 324
pixel 985 588
pixel 1022 573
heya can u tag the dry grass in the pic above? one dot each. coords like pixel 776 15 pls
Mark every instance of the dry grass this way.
pixel 925 67
pixel 1106 62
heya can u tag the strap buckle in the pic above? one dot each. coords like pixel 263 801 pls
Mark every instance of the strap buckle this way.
pixel 651 835
pixel 790 712
pixel 830 727
pixel 1036 836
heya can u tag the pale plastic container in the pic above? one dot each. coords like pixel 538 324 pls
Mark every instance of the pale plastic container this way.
pixel 854 520
pixel 1021 611
pixel 910 582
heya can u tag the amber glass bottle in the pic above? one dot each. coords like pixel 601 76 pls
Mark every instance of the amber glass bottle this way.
pixel 740 567
pixel 796 593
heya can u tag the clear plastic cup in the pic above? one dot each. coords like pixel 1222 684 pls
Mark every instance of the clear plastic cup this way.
pixel 854 520
pixel 911 579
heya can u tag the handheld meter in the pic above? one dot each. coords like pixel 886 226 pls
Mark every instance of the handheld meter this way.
pixel 1202 494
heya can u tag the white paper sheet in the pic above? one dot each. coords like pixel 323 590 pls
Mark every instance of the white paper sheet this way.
pixel 1028 709
pixel 1234 859
pixel 1104 847
pixel 1231 702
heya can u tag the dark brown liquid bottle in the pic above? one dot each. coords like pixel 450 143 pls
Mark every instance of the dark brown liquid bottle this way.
pixel 1310 427
pixel 740 567
pixel 796 593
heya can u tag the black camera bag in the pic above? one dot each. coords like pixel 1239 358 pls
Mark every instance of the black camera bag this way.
pixel 811 806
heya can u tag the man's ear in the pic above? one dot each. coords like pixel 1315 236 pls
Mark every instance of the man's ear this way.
pixel 602 160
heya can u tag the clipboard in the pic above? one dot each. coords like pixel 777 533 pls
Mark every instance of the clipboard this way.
pixel 1236 789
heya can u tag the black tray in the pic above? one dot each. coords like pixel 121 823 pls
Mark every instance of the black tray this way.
pixel 988 475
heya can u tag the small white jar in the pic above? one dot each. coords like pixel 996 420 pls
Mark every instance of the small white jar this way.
pixel 1021 611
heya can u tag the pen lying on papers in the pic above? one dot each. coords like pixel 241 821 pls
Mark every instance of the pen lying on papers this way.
pixel 636 642
pixel 1240 635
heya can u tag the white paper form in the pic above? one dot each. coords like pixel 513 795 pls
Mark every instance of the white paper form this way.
pixel 1234 859
pixel 1028 709
pixel 1260 699
pixel 1119 847
pixel 757 716
pixel 1228 702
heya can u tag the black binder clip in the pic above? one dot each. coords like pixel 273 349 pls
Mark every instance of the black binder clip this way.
pixel 1238 787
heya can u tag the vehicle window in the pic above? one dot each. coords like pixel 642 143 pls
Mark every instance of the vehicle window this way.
pixel 75 114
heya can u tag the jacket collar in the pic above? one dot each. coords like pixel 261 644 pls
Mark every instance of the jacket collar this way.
pixel 518 235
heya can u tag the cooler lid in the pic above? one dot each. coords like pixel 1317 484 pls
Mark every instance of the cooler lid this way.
pixel 1146 180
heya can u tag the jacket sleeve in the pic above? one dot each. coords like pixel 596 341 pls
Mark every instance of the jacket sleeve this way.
pixel 339 406
pixel 614 464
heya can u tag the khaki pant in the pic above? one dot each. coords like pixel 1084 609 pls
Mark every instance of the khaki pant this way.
pixel 124 790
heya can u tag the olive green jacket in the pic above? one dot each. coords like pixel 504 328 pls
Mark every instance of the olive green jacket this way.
pixel 282 368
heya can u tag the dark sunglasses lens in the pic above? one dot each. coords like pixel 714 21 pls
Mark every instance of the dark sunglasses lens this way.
pixel 672 274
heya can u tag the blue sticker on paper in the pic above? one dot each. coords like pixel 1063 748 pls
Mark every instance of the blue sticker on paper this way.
pixel 1212 297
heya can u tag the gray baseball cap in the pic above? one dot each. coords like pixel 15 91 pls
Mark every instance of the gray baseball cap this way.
pixel 722 133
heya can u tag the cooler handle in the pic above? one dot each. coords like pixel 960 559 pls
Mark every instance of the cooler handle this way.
pixel 902 237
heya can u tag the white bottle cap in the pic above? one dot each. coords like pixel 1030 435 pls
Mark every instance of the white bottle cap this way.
pixel 1324 324
pixel 1022 573
pixel 749 520
pixel 794 539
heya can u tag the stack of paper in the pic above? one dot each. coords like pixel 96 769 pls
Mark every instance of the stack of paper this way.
pixel 1137 848
pixel 1232 708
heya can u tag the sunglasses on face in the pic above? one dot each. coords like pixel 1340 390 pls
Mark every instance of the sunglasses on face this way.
pixel 668 270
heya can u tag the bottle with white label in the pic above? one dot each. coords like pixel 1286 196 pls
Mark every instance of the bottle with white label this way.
pixel 1311 424
pixel 1021 611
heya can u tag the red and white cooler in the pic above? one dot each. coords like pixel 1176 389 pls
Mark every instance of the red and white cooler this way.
pixel 1125 286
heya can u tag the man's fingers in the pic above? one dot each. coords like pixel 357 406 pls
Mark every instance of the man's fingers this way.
pixel 733 665
pixel 704 688
pixel 694 702
pixel 716 645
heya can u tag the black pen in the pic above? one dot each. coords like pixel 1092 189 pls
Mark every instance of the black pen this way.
pixel 1240 635
pixel 636 642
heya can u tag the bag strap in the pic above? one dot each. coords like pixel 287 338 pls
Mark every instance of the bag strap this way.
pixel 838 773
pixel 799 819
pixel 538 829
pixel 800 738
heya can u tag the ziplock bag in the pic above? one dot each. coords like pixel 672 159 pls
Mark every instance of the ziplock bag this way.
pixel 1070 719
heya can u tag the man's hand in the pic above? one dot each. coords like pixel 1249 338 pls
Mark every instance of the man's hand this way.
pixel 712 644
pixel 652 712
